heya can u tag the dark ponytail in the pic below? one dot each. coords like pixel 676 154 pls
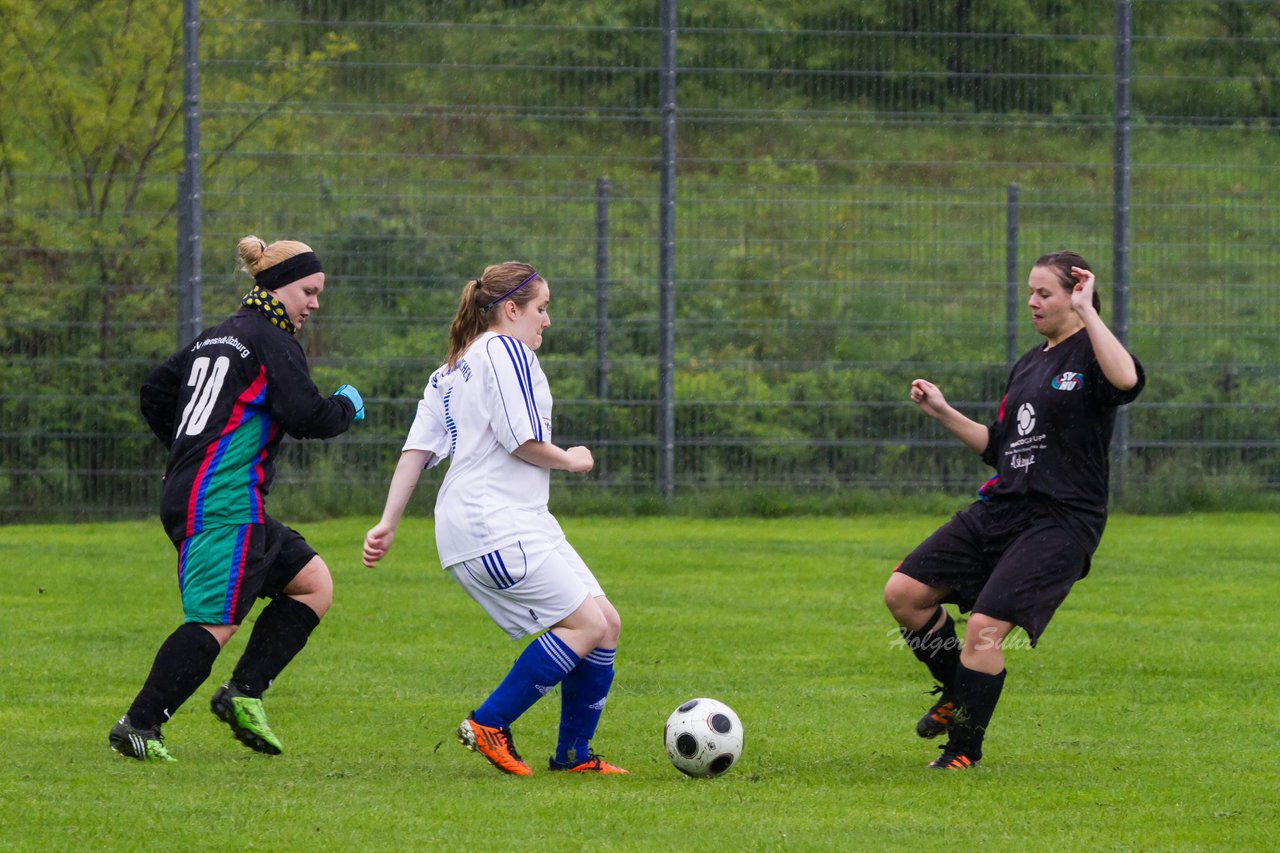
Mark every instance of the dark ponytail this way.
pixel 468 323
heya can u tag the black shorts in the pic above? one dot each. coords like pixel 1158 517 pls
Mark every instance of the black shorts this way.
pixel 1010 560
pixel 222 570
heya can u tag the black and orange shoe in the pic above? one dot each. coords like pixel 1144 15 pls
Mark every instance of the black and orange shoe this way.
pixel 938 718
pixel 952 759
pixel 593 764
pixel 495 744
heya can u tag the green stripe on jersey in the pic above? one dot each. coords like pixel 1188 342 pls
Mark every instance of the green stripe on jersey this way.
pixel 227 498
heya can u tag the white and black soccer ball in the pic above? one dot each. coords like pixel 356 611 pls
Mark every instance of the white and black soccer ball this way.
pixel 703 737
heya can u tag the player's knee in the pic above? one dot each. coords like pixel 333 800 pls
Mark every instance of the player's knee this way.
pixel 221 633
pixel 587 627
pixel 597 630
pixel 892 598
pixel 899 597
pixel 313 586
pixel 612 623
pixel 612 630
pixel 984 633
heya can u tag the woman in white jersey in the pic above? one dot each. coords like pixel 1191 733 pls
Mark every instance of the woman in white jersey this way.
pixel 488 409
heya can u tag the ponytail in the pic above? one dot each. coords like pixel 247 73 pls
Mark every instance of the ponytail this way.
pixel 468 323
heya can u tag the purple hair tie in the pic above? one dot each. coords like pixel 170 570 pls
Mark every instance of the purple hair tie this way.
pixel 531 277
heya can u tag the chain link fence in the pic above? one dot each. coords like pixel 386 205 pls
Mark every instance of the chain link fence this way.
pixel 855 182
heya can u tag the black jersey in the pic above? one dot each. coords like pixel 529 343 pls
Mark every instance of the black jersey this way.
pixel 1049 442
pixel 222 405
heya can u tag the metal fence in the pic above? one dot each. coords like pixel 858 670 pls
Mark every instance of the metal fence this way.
pixel 855 186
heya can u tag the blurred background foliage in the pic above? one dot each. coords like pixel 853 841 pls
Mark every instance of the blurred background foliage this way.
pixel 841 226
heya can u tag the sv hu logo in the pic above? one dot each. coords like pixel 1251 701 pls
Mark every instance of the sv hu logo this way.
pixel 1068 381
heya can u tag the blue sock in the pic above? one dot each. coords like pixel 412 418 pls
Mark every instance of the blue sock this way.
pixel 537 671
pixel 582 698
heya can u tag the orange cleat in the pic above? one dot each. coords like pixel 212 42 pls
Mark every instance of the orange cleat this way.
pixel 938 718
pixel 593 764
pixel 495 744
pixel 951 760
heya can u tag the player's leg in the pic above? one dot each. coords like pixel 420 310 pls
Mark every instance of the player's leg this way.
pixel 284 626
pixel 925 625
pixel 937 648
pixel 301 591
pixel 978 684
pixel 541 666
pixel 525 593
pixel 211 567
pixel 181 665
pixel 1029 582
pixel 948 566
pixel 583 695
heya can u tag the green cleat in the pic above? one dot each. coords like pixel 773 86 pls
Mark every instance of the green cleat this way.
pixel 246 717
pixel 142 744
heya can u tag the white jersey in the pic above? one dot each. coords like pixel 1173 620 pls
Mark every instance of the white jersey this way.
pixel 494 400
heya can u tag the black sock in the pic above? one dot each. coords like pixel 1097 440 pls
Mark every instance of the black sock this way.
pixel 279 634
pixel 183 663
pixel 939 650
pixel 976 696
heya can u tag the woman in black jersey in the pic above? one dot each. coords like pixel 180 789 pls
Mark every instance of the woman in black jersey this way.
pixel 221 405
pixel 1012 556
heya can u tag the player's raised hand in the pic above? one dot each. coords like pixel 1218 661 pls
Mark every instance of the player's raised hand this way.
pixel 376 543
pixel 1082 293
pixel 928 397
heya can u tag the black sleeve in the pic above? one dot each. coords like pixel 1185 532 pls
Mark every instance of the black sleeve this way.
pixel 1104 393
pixel 296 403
pixel 158 397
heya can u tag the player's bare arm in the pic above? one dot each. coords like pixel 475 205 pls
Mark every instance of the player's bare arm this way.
pixel 544 454
pixel 1116 362
pixel 930 400
pixel 405 479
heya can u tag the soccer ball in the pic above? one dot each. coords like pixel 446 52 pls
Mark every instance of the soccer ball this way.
pixel 703 737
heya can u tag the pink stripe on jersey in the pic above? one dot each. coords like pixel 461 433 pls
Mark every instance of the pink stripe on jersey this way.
pixel 237 572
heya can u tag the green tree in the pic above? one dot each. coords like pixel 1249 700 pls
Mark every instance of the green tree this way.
pixel 90 150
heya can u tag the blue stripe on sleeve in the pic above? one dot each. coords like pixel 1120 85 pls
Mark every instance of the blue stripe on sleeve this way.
pixel 525 381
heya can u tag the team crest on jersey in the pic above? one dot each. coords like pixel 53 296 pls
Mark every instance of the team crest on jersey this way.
pixel 1068 381
pixel 1026 418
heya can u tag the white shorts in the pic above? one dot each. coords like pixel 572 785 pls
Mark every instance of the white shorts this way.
pixel 527 589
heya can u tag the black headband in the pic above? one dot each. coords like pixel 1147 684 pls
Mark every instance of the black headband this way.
pixel 288 271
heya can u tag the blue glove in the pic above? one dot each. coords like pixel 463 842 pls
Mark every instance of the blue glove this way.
pixel 354 396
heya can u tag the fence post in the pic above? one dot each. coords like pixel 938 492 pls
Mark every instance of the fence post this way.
pixel 666 255
pixel 1011 278
pixel 1120 224
pixel 189 286
pixel 602 288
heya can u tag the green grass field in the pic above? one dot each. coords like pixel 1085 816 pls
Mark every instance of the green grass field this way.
pixel 1143 721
